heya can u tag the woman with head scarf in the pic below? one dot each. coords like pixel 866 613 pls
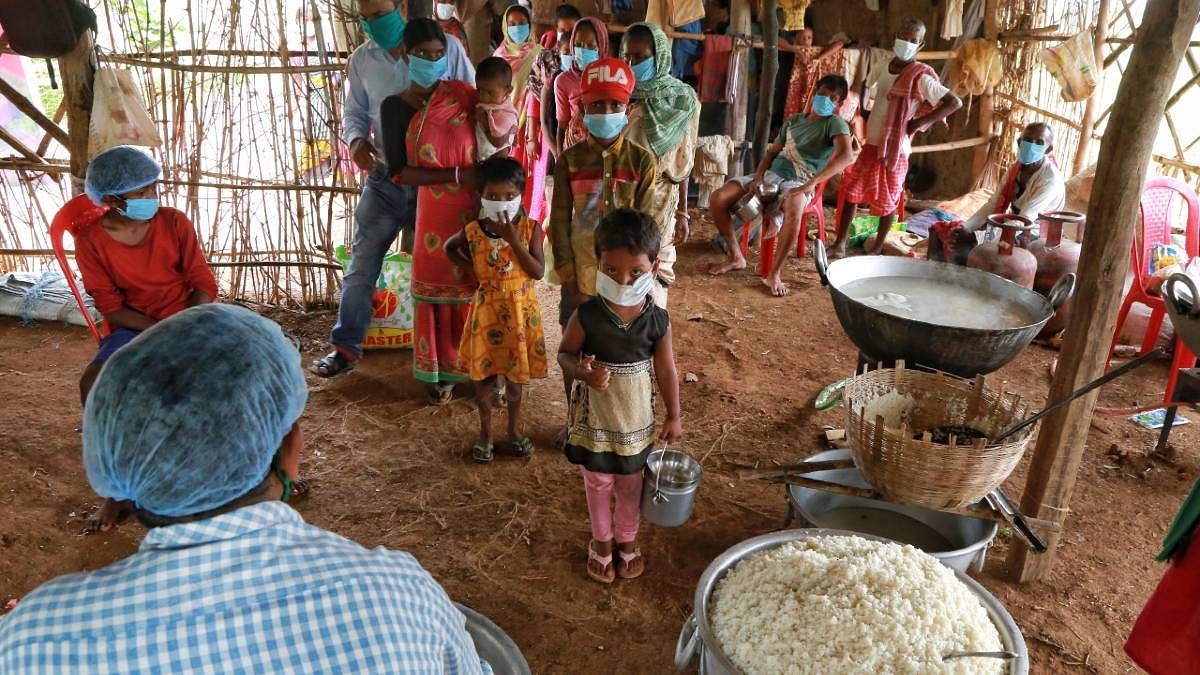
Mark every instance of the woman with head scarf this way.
pixel 521 50
pixel 589 43
pixel 664 118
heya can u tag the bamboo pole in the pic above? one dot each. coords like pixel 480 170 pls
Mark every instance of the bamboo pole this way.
pixel 739 22
pixel 1162 39
pixel 77 76
pixel 1088 125
pixel 32 112
pixel 16 144
pixel 954 145
pixel 58 117
pixel 991 32
pixel 1039 110
pixel 766 79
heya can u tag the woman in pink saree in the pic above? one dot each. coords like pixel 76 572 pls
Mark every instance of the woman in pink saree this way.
pixel 429 132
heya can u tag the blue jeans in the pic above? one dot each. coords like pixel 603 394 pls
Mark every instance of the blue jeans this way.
pixel 114 341
pixel 384 209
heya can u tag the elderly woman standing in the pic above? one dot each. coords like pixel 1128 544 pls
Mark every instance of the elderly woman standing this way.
pixel 664 118
pixel 428 132
pixel 197 424
pixel 522 51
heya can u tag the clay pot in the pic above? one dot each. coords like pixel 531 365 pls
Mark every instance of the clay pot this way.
pixel 1002 256
pixel 1056 257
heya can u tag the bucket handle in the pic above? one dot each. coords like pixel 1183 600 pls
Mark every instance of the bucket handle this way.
pixel 688 643
pixel 1170 296
pixel 1062 292
pixel 821 260
pixel 657 494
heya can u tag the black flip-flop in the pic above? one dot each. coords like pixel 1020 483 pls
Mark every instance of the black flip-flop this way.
pixel 332 364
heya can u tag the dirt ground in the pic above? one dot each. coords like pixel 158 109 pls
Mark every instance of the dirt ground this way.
pixel 508 539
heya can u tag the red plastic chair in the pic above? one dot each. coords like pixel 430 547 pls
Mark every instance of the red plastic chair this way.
pixel 815 207
pixel 72 216
pixel 1159 197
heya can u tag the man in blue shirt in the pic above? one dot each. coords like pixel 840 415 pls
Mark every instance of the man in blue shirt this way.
pixel 377 70
pixel 196 423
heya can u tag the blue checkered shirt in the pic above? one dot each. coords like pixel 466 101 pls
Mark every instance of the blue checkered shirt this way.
pixel 256 590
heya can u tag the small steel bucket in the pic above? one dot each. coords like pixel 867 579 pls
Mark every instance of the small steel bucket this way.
pixel 669 487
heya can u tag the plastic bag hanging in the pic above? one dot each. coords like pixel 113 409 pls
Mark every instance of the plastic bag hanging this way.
pixel 1073 65
pixel 119 116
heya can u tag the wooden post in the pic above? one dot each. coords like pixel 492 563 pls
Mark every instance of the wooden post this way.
pixel 991 32
pixel 739 21
pixel 766 79
pixel 77 77
pixel 478 24
pixel 1088 125
pixel 1125 154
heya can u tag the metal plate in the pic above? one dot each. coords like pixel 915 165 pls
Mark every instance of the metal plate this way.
pixel 493 644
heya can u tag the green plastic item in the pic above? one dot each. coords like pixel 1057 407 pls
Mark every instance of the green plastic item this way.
pixel 831 395
pixel 862 227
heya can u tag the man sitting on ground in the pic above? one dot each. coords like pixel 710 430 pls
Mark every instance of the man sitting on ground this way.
pixel 810 149
pixel 197 424
pixel 1034 185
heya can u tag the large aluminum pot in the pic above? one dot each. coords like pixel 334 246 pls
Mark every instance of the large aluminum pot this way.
pixel 965 352
pixel 493 644
pixel 968 538
pixel 697 636
pixel 1185 312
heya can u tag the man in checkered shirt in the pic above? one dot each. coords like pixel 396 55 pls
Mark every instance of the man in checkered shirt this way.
pixel 196 422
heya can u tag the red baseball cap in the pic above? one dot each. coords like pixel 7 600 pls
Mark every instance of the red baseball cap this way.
pixel 607 80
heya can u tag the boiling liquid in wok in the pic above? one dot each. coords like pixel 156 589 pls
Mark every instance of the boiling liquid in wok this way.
pixel 937 303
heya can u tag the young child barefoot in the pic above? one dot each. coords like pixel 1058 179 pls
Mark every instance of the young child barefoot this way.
pixel 503 334
pixel 617 346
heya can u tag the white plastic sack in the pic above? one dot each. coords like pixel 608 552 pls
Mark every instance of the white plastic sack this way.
pixel 1073 65
pixel 119 115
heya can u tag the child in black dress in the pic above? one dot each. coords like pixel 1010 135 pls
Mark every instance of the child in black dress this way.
pixel 617 346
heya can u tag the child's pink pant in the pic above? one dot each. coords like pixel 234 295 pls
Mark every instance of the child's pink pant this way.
pixel 607 521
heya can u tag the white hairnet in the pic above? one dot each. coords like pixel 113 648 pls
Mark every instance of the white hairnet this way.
pixel 118 170
pixel 189 416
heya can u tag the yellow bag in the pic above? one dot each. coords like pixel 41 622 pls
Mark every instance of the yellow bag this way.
pixel 977 66
pixel 1073 64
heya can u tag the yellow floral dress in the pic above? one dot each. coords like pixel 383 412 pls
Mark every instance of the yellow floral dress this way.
pixel 503 335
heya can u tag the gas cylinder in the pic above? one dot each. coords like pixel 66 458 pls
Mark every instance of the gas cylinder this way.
pixel 1056 257
pixel 1002 256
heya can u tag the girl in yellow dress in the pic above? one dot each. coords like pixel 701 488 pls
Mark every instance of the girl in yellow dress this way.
pixel 503 336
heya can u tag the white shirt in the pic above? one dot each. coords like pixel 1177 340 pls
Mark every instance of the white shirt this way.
pixel 1045 191
pixel 880 80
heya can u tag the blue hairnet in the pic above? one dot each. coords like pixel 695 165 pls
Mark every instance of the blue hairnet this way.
pixel 189 416
pixel 118 170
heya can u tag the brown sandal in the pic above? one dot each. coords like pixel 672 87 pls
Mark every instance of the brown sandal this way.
pixel 605 562
pixel 625 560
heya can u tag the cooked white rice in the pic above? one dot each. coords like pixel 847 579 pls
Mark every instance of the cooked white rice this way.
pixel 850 605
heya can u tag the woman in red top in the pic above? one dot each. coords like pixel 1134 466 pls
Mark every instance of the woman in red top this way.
pixel 140 262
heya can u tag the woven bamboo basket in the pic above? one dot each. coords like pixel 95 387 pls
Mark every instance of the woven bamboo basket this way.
pixel 886 408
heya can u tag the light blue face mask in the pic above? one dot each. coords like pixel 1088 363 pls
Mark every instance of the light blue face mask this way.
pixel 566 61
pixel 140 209
pixel 605 126
pixel 519 33
pixel 644 71
pixel 584 56
pixel 1030 153
pixel 387 30
pixel 425 73
pixel 823 105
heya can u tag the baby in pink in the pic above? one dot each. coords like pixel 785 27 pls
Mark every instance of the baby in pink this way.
pixel 495 115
